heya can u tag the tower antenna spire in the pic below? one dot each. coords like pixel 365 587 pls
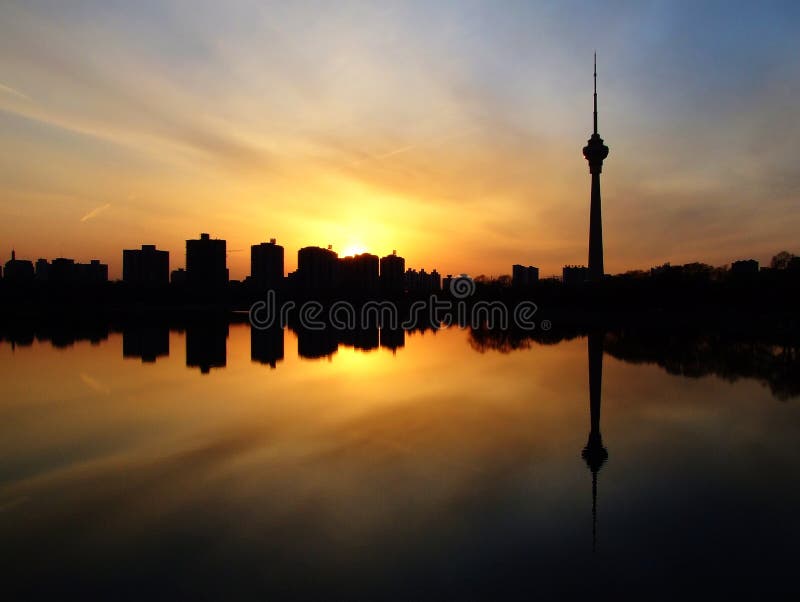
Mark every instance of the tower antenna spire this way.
pixel 595 92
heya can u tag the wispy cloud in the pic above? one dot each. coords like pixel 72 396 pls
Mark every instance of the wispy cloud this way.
pixel 397 151
pixel 424 143
pixel 95 212
pixel 14 92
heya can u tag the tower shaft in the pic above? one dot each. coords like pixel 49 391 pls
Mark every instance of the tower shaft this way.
pixel 596 269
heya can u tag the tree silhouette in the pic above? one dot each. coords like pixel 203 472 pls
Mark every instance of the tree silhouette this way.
pixel 782 260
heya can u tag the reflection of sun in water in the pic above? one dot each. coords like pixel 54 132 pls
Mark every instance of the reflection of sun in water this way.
pixel 354 249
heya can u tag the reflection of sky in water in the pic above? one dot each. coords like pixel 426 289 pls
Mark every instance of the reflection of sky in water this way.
pixel 437 468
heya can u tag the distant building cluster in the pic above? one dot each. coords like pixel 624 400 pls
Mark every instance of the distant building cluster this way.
pixel 574 274
pixel 363 274
pixel 423 282
pixel 60 271
pixel 318 270
pixel 321 270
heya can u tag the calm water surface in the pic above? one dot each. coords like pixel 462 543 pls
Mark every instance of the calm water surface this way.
pixel 212 463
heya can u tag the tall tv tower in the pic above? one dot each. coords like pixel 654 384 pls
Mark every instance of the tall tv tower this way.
pixel 595 152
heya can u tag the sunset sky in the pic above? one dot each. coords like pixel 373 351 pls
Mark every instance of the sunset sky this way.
pixel 450 131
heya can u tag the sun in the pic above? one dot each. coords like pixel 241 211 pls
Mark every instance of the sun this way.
pixel 354 249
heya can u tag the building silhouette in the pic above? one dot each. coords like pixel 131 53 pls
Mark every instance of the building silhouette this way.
pixel 392 271
pixel 42 270
pixel 595 454
pixel 522 276
pixel 422 282
pixel 574 274
pixel 595 153
pixel 358 274
pixel 317 269
pixel 147 266
pixel 206 265
pixel 745 266
pixel 64 271
pixel 93 272
pixel 435 281
pixel 266 265
pixel 18 270
pixel 178 277
pixel 61 271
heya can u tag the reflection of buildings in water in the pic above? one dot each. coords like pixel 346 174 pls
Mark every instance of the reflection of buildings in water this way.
pixel 594 454
pixel 266 346
pixel 773 361
pixel 145 342
pixel 315 344
pixel 424 326
pixel 60 334
pixel 392 338
pixel 206 345
pixel 483 339
pixel 769 359
pixel 365 339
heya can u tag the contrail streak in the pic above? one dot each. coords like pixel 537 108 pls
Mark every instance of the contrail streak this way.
pixel 95 212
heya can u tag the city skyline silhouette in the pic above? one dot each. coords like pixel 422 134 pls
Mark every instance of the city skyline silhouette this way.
pixel 320 272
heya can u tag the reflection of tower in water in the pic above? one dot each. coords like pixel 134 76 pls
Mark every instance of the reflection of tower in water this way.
pixel 594 454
